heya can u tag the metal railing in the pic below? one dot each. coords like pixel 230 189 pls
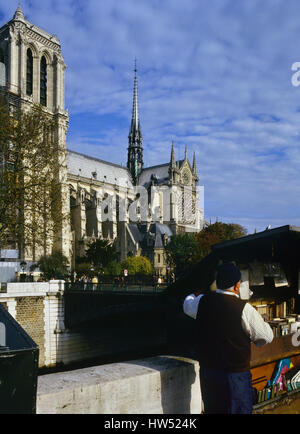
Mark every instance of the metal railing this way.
pixel 115 287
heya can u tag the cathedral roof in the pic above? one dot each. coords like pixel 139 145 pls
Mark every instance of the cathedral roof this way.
pixel 159 172
pixel 137 234
pixel 157 230
pixel 87 167
pixel 158 244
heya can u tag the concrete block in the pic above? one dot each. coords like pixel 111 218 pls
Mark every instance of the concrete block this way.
pixel 156 385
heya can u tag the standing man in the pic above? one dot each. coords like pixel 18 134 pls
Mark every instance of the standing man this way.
pixel 225 328
pixel 125 276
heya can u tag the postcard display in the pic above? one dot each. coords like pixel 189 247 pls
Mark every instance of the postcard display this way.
pixel 265 287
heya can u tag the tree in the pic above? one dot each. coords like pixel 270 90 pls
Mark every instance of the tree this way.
pixel 83 268
pixel 180 251
pixel 54 265
pixel 113 269
pixel 213 234
pixel 101 252
pixel 30 185
pixel 137 265
pixel 189 248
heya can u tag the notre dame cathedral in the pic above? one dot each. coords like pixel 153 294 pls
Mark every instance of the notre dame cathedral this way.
pixel 137 207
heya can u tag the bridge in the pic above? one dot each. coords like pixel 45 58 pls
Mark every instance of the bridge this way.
pixel 89 303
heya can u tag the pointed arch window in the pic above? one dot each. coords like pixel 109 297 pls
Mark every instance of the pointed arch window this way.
pixel 43 81
pixel 29 72
pixel 2 69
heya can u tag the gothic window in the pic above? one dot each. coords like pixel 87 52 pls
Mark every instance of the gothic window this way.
pixel 29 72
pixel 2 69
pixel 186 177
pixel 43 82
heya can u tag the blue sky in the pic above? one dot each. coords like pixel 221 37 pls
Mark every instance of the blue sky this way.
pixel 214 75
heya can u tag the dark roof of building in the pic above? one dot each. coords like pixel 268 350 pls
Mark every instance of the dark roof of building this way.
pixel 157 230
pixel 159 173
pixel 136 232
pixel 279 245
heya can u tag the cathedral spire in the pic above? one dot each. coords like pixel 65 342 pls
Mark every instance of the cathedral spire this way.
pixel 135 139
pixel 135 122
pixel 194 164
pixel 19 14
pixel 194 169
pixel 173 166
pixel 172 160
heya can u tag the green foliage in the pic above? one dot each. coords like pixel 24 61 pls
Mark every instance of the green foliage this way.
pixel 54 265
pixel 189 248
pixel 100 253
pixel 113 269
pixel 100 257
pixel 137 265
pixel 214 234
pixel 83 268
pixel 180 252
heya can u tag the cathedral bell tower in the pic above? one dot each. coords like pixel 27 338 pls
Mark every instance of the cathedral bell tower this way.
pixel 32 71
pixel 33 65
pixel 135 139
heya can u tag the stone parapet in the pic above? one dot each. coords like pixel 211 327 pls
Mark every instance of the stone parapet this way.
pixel 155 385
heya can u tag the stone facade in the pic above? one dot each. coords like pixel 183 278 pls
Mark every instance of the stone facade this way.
pixel 100 197
pixel 30 313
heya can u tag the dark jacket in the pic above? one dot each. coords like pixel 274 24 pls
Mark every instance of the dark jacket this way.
pixel 221 341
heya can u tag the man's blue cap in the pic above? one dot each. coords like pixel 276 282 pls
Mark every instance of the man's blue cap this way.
pixel 227 275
